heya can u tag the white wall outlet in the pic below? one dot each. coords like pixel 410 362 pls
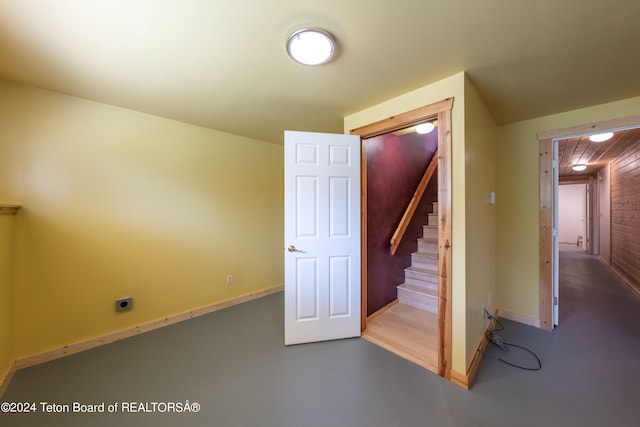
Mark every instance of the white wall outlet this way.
pixel 483 310
pixel 229 279
pixel 492 198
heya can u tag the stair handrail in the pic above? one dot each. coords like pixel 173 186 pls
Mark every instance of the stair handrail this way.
pixel 398 235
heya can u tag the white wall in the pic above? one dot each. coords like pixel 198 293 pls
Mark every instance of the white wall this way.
pixel 604 212
pixel 572 213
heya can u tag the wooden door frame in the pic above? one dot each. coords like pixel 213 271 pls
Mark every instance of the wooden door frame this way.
pixel 546 203
pixel 440 111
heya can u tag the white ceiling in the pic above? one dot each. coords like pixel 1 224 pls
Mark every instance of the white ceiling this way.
pixel 222 64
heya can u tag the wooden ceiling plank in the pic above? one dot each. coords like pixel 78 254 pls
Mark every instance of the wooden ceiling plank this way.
pixel 564 164
pixel 608 152
pixel 596 154
pixel 578 153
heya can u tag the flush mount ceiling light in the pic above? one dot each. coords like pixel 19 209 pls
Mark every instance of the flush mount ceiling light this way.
pixel 600 137
pixel 311 46
pixel 425 128
pixel 579 168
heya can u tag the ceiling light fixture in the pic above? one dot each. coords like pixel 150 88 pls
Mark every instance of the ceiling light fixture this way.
pixel 579 168
pixel 425 128
pixel 311 46
pixel 600 137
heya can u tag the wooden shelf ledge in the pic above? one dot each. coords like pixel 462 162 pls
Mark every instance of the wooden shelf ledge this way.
pixel 8 209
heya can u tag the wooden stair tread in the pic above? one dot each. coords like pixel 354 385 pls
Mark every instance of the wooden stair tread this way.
pixel 428 248
pixel 422 270
pixel 428 240
pixel 425 254
pixel 419 289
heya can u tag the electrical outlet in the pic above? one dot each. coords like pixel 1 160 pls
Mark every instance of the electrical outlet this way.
pixel 229 279
pixel 483 310
pixel 123 304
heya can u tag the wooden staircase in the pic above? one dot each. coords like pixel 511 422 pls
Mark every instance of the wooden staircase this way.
pixel 420 287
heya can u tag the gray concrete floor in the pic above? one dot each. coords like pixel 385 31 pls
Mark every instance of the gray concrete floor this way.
pixel 233 363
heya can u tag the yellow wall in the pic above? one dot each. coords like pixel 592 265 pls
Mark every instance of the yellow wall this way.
pixel 6 295
pixel 453 86
pixel 119 203
pixel 517 288
pixel 480 164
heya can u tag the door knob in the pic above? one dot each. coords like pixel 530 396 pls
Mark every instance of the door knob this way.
pixel 292 248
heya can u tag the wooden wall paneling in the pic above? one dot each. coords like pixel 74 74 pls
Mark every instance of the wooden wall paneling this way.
pixel 625 215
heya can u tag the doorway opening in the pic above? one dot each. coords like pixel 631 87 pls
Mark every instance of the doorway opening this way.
pixel 599 227
pixel 575 235
pixel 436 357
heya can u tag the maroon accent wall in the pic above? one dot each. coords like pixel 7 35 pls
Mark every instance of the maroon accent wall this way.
pixel 395 165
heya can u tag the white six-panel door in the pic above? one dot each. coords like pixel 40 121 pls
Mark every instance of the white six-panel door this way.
pixel 321 236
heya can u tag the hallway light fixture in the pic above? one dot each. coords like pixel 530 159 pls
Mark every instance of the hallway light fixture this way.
pixel 311 46
pixel 601 137
pixel 579 167
pixel 425 128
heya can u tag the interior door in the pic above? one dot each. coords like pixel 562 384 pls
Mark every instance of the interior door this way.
pixel 321 236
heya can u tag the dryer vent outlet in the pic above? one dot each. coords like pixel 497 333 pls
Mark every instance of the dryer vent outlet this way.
pixel 123 304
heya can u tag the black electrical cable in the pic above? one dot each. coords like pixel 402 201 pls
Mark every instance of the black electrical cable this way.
pixel 523 367
pixel 503 345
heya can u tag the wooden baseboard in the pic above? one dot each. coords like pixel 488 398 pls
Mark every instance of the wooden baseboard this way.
pixel 465 380
pixel 626 280
pixel 78 347
pixel 382 310
pixel 5 378
pixel 459 379
pixel 520 318
pixel 602 260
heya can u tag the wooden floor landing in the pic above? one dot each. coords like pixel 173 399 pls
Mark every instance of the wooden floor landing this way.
pixel 406 331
